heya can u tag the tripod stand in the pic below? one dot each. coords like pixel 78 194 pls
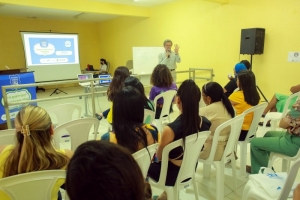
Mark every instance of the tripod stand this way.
pixel 257 85
pixel 57 91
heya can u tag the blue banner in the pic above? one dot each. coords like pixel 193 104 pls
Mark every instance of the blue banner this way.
pixel 16 94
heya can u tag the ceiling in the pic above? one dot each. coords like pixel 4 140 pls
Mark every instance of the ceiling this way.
pixel 57 14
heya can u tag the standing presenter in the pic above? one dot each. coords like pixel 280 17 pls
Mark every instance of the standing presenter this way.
pixel 169 57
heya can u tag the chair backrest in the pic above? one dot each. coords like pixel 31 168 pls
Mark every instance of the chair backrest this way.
pixel 168 99
pixel 148 116
pixel 193 146
pixel 64 112
pixel 288 101
pixel 235 130
pixel 144 156
pixel 290 180
pixel 129 64
pixel 258 110
pixel 7 136
pixel 33 185
pixel 78 130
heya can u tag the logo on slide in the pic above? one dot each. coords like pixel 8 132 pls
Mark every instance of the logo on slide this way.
pixel 68 43
pixel 44 48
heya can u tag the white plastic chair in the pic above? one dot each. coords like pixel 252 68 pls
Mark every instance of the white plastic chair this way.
pixel 143 157
pixel 165 112
pixel 33 185
pixel 258 110
pixel 276 116
pixel 251 190
pixel 193 145
pixel 77 129
pixel 148 116
pixel 7 136
pixel 236 126
pixel 64 112
pixel 286 160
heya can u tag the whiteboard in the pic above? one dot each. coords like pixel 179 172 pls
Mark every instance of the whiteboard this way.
pixel 145 59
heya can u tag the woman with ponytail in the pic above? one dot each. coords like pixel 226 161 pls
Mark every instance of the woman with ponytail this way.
pixel 33 150
pixel 187 123
pixel 218 110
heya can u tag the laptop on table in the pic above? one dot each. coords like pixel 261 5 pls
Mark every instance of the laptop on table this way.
pixel 104 82
pixel 83 77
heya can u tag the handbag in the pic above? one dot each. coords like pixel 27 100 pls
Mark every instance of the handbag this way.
pixel 271 181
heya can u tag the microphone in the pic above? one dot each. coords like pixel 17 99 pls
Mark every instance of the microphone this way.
pixel 169 52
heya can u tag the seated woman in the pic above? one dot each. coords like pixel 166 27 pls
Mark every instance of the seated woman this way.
pixel 109 172
pixel 33 150
pixel 283 142
pixel 103 68
pixel 135 82
pixel 129 130
pixel 218 110
pixel 162 81
pixel 245 98
pixel 232 85
pixel 278 101
pixel 117 83
pixel 187 123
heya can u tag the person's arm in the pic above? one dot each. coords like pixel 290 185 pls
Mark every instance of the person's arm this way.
pixel 297 193
pixel 289 121
pixel 235 98
pixel 167 138
pixel 295 88
pixel 162 59
pixel 230 86
pixel 177 56
pixel 152 94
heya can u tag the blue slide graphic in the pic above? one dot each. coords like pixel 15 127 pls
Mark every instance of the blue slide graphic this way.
pixel 47 51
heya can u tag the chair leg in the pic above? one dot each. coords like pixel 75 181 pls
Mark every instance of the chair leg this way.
pixel 243 158
pixel 170 192
pixel 234 172
pixel 271 160
pixel 206 170
pixel 285 165
pixel 195 188
pixel 220 181
pixel 273 125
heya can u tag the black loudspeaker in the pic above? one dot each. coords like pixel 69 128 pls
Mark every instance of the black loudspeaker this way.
pixel 252 41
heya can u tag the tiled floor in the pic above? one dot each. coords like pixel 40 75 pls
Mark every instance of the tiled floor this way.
pixel 206 187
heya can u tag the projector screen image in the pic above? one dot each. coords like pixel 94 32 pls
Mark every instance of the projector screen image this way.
pixel 52 56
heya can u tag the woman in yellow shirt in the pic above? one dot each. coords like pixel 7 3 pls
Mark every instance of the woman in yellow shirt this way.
pixel 246 97
pixel 33 150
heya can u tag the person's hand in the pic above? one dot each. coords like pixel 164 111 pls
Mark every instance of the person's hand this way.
pixel 176 48
pixel 168 54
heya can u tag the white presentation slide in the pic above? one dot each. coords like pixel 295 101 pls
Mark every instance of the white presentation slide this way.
pixel 52 56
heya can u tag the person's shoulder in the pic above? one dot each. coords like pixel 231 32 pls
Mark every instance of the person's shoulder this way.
pixel 6 148
pixel 173 86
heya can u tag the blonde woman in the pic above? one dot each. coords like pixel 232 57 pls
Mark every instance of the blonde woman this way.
pixel 33 150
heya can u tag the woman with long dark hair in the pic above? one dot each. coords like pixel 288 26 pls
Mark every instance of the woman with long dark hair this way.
pixel 218 110
pixel 187 123
pixel 135 82
pixel 129 130
pixel 117 83
pixel 245 98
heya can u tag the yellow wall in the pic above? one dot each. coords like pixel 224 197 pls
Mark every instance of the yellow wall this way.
pixel 209 36
pixel 11 45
